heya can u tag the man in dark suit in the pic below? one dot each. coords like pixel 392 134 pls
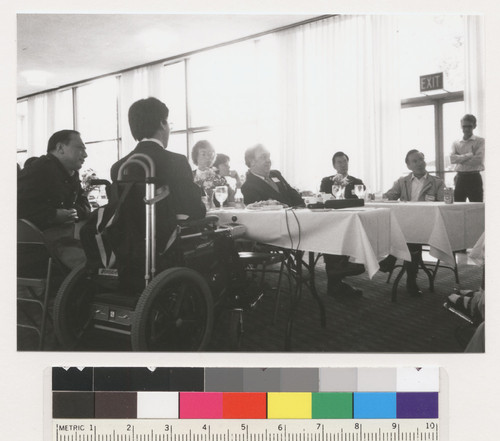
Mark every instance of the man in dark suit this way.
pixel 50 195
pixel 340 163
pixel 149 125
pixel 262 183
pixel 338 267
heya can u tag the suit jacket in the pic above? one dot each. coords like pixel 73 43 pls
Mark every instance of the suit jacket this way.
pixel 172 169
pixel 326 186
pixel 45 186
pixel 256 189
pixel 433 188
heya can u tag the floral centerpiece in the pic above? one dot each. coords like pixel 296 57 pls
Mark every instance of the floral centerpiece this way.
pixel 208 179
pixel 341 182
pixel 86 177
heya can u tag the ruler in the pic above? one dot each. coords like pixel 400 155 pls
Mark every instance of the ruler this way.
pixel 245 430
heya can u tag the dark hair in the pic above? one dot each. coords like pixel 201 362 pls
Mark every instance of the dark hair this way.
pixel 221 158
pixel 338 155
pixel 407 158
pixel 145 117
pixel 470 118
pixel 250 153
pixel 200 145
pixel 30 161
pixel 61 136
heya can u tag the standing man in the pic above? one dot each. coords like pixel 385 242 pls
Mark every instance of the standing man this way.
pixel 49 194
pixel 468 155
pixel 340 163
pixel 262 183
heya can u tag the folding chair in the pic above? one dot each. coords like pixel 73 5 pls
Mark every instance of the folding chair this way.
pixel 37 280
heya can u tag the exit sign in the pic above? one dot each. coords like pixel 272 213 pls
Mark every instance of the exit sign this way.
pixel 431 82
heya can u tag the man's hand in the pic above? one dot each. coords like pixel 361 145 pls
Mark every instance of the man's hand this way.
pixel 65 216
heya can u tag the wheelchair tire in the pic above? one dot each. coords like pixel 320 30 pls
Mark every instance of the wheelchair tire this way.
pixel 174 313
pixel 72 308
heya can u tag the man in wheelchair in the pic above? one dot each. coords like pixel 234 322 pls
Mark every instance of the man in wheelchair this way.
pixel 156 269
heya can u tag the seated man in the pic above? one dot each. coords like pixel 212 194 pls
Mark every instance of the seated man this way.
pixel 337 267
pixel 340 163
pixel 50 195
pixel 149 125
pixel 417 186
pixel 262 183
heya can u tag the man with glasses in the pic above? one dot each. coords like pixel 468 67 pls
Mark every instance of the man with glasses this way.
pixel 468 155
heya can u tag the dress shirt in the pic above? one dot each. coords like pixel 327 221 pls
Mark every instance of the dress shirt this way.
pixel 468 155
pixel 416 186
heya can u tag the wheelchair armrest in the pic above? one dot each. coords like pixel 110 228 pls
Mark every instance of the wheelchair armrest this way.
pixel 104 182
pixel 199 223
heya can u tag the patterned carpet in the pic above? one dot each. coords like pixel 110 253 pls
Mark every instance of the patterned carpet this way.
pixel 371 323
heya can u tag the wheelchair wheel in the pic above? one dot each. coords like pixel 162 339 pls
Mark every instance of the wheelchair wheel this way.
pixel 174 313
pixel 72 314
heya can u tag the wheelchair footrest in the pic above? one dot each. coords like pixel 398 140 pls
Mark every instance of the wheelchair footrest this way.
pixel 113 312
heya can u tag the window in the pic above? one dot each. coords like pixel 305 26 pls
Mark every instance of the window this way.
pixel 22 132
pixel 431 122
pixel 97 121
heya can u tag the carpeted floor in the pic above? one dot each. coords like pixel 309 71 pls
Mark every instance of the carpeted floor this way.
pixel 371 323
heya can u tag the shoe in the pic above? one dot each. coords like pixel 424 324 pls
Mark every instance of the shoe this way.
pixel 413 290
pixel 388 264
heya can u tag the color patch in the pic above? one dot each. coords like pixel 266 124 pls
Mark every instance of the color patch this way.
pixel 417 405
pixel 115 405
pixel 374 405
pixel 338 380
pixel 261 380
pixel 377 379
pixel 200 405
pixel 157 405
pixel 289 405
pixel 187 379
pixel 418 380
pixel 72 379
pixel 332 405
pixel 223 380
pixel 131 379
pixel 72 404
pixel 299 380
pixel 245 405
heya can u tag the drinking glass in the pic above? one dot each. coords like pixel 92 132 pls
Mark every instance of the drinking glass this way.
pixel 221 194
pixel 359 191
pixel 336 190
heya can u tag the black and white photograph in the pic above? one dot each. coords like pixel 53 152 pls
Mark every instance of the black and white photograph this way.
pixel 250 185
pixel 253 183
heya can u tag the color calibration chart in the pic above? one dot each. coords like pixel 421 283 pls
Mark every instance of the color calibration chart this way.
pixel 240 404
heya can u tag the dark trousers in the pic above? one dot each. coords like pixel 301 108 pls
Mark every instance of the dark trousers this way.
pixel 412 266
pixel 468 185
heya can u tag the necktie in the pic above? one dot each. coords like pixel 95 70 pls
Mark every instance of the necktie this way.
pixel 273 184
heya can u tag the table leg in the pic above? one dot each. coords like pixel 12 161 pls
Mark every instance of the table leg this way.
pixel 295 269
pixel 394 296
pixel 312 285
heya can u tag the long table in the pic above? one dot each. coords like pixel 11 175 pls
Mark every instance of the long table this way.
pixel 444 227
pixel 365 234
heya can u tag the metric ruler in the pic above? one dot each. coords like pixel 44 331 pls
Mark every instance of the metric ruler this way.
pixel 246 430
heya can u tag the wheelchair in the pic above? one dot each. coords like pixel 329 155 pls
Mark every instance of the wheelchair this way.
pixel 170 305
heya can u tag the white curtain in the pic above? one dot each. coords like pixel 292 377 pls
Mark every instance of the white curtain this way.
pixel 474 92
pixel 339 91
pixel 134 85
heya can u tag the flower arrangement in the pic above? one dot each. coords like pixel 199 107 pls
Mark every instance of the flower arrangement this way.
pixel 85 178
pixel 341 180
pixel 208 179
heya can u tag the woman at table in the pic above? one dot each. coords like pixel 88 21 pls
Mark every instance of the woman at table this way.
pixel 223 169
pixel 205 176
pixel 419 185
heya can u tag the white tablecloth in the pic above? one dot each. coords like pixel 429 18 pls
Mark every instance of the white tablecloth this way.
pixel 445 227
pixel 364 234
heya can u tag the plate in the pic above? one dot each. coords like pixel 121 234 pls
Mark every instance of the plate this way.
pixel 265 208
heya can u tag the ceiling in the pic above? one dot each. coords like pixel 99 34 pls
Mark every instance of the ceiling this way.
pixel 59 49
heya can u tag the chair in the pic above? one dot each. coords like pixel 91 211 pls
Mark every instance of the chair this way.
pixel 37 280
